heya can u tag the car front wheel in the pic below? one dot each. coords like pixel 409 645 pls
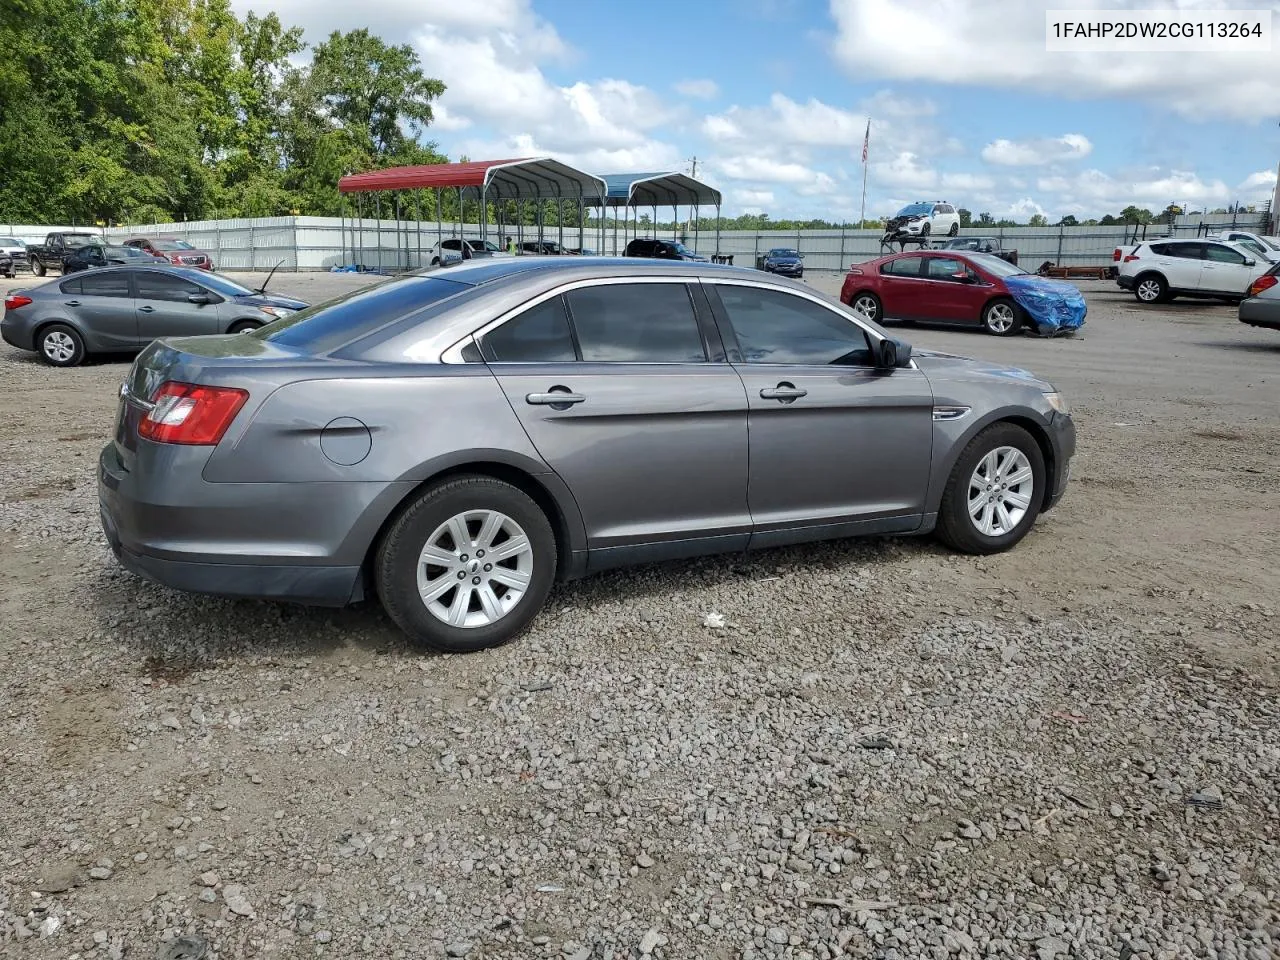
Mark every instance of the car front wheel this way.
pixel 1000 318
pixel 994 492
pixel 244 326
pixel 467 566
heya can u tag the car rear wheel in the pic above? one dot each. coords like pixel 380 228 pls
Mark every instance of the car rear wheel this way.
pixel 244 326
pixel 867 304
pixel 1151 288
pixel 60 346
pixel 1000 318
pixel 994 493
pixel 955 230
pixel 467 566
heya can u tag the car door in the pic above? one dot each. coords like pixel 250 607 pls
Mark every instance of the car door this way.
pixel 1226 270
pixel 1180 261
pixel 102 302
pixel 165 309
pixel 946 297
pixel 901 287
pixel 626 395
pixel 837 446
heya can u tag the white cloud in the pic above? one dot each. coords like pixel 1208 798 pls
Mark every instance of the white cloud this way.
pixel 757 199
pixel 1093 191
pixel 698 89
pixel 1260 184
pixel 976 42
pixel 906 170
pixel 766 169
pixel 1034 153
pixel 445 119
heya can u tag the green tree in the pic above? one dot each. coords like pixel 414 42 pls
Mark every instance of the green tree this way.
pixel 1069 221
pixel 985 220
pixel 1038 220
pixel 1133 214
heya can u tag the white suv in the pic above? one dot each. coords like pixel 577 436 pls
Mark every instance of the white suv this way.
pixel 1263 246
pixel 1159 270
pixel 926 218
pixel 453 250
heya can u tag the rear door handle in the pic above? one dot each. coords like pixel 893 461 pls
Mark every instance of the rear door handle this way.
pixel 785 392
pixel 147 309
pixel 73 303
pixel 554 398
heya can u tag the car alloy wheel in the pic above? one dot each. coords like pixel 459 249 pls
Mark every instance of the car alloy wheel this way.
pixel 1149 290
pixel 1001 491
pixel 867 305
pixel 1000 318
pixel 58 347
pixel 475 568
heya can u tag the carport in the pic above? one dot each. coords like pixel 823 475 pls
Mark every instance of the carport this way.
pixel 629 191
pixel 488 181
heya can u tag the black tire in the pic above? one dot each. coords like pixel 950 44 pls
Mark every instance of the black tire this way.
pixel 955 230
pixel 871 300
pixel 995 315
pixel 37 268
pixel 53 357
pixel 955 527
pixel 1151 288
pixel 925 230
pixel 435 261
pixel 240 326
pixel 396 562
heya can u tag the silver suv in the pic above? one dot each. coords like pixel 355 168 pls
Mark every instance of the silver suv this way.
pixel 456 442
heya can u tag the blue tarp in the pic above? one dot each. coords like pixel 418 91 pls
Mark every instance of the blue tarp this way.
pixel 1054 306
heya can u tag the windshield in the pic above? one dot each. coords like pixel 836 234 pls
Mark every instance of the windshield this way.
pixel 481 245
pixel 783 252
pixel 994 265
pixel 1253 245
pixel 965 243
pixel 172 245
pixel 11 242
pixel 1269 241
pixel 916 210
pixel 680 248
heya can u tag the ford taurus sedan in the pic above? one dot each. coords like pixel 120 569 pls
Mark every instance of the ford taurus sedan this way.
pixel 122 309
pixel 454 443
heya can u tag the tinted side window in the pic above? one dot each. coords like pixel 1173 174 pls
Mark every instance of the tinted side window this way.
pixel 539 335
pixel 942 268
pixel 1185 251
pixel 71 286
pixel 1221 254
pixel 114 284
pixel 636 323
pixel 903 267
pixel 776 327
pixel 163 286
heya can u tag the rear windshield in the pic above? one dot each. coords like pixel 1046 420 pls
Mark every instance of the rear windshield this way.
pixel 327 326
pixel 165 244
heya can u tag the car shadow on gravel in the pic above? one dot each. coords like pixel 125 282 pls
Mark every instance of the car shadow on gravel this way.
pixel 1244 345
pixel 172 633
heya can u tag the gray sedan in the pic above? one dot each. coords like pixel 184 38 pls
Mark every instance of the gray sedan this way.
pixel 1262 307
pixel 119 309
pixel 454 443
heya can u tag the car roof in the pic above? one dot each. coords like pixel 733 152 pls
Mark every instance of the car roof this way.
pixel 573 267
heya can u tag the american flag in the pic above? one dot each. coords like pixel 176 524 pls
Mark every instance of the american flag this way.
pixel 866 142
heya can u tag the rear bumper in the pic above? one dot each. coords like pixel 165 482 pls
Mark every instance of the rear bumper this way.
pixel 16 334
pixel 1124 283
pixel 302 542
pixel 1260 313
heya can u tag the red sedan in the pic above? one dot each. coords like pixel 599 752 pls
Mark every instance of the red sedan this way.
pixel 178 252
pixel 946 286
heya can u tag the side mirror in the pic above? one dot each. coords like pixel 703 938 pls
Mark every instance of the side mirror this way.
pixel 200 298
pixel 1249 262
pixel 891 354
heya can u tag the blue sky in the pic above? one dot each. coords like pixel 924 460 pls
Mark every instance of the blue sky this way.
pixel 773 97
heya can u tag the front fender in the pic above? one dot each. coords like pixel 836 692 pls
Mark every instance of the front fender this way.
pixel 952 436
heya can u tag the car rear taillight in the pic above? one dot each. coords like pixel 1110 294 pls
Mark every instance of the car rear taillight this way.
pixel 15 300
pixel 1131 257
pixel 191 414
pixel 854 271
pixel 1264 282
pixel 1116 256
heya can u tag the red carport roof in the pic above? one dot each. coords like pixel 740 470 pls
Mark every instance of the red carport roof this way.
pixel 529 178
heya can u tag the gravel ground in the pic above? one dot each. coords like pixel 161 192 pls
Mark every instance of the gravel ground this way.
pixel 865 749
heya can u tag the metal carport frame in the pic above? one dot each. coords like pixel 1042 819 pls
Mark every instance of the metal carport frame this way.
pixel 631 190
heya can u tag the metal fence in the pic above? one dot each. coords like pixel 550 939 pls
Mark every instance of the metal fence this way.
pixel 322 243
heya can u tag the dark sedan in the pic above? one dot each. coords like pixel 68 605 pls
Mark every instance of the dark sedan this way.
pixel 662 250
pixel 99 255
pixel 119 309
pixel 783 261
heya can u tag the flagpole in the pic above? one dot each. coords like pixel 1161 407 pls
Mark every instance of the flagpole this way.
pixel 866 143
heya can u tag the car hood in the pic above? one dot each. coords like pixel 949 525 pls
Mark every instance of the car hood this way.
pixel 948 366
pixel 271 300
pixel 788 260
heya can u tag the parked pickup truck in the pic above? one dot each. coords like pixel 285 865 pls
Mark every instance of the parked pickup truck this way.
pixel 51 254
pixel 989 245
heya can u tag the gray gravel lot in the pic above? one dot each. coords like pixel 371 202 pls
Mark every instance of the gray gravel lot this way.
pixel 886 750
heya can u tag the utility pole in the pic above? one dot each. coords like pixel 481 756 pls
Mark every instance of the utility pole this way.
pixel 693 172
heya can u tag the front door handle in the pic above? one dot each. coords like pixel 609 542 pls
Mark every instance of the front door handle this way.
pixel 786 392
pixel 147 309
pixel 558 398
pixel 73 303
